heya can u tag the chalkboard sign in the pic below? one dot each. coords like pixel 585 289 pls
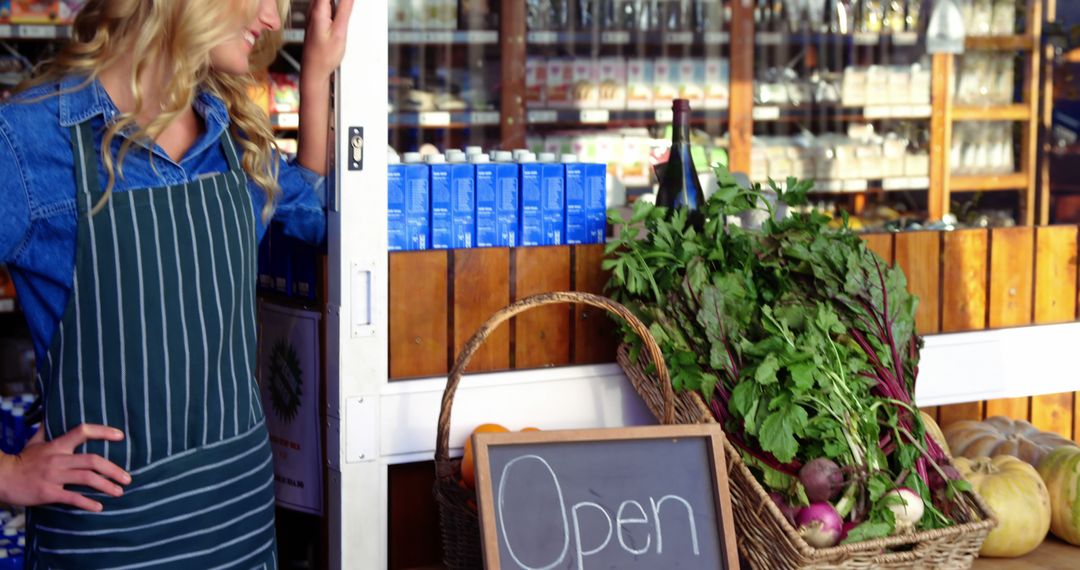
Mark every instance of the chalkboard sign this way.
pixel 650 497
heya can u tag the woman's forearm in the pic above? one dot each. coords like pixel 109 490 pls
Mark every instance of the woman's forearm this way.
pixel 314 123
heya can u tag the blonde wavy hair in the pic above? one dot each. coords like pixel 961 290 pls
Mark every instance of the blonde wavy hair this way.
pixel 183 33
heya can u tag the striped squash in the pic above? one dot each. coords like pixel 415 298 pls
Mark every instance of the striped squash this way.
pixel 1019 499
pixel 1060 470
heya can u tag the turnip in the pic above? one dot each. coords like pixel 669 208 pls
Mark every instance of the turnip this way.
pixel 909 511
pixel 822 479
pixel 786 508
pixel 820 525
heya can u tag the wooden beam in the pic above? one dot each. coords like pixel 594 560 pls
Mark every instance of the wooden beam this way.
pixel 1017 112
pixel 1029 147
pixel 512 73
pixel 1012 262
pixel 1024 42
pixel 741 101
pixel 990 183
pixel 918 255
pixel 937 199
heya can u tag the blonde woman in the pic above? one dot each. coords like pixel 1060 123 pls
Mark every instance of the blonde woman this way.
pixel 136 179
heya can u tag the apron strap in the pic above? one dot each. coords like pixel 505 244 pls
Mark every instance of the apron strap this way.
pixel 86 160
pixel 230 153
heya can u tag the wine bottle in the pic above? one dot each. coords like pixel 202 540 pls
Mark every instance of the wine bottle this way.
pixel 679 184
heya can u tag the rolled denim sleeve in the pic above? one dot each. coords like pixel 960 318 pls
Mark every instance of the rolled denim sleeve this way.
pixel 14 199
pixel 301 207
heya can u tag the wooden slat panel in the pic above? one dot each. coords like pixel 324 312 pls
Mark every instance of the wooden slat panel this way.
pixel 542 336
pixel 963 291
pixel 481 288
pixel 1055 302
pixel 418 314
pixel 959 412
pixel 919 255
pixel 595 334
pixel 1012 253
pixel 1055 274
pixel 881 244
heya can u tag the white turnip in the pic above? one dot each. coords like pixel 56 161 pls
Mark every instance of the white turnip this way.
pixel 908 512
pixel 820 525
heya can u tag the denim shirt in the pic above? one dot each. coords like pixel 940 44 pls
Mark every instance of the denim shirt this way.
pixel 38 228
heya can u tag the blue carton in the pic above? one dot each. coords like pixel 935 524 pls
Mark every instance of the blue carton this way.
pixel 532 217
pixel 280 259
pixel 463 205
pixel 417 207
pixel 506 205
pixel 596 202
pixel 442 236
pixel 486 226
pixel 395 207
pixel 553 203
pixel 577 225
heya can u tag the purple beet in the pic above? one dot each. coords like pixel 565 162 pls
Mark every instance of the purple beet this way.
pixel 822 479
pixel 786 509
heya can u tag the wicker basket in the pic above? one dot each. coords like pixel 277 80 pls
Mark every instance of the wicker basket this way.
pixel 458 519
pixel 766 539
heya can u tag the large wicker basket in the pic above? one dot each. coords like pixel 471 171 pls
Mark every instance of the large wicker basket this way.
pixel 458 518
pixel 766 539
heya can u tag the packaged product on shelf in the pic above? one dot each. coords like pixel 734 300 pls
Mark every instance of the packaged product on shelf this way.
pixel 506 200
pixel 1003 22
pixel 877 85
pixel 5 11
pixel 978 16
pixel 462 202
pixel 395 206
pixel 553 201
pixel 854 87
pixel 639 84
pixel 441 203
pixel 284 93
pixel 634 166
pixel 560 81
pixel 692 81
pixel 400 14
pixel 417 202
pixel 898 85
pixel 920 84
pixel 68 10
pixel 535 82
pixel 717 80
pixel 577 224
pixel 596 202
pixel 486 223
pixel 586 84
pixel 612 83
pixel 35 11
pixel 531 217
pixel 665 82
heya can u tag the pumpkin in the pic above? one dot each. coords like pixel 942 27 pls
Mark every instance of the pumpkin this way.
pixel 934 430
pixel 1020 501
pixel 1002 436
pixel 1060 470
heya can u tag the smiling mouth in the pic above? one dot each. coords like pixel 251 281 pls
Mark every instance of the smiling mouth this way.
pixel 249 38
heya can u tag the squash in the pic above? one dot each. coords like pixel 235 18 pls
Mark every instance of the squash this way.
pixel 934 430
pixel 1060 471
pixel 1002 436
pixel 1021 504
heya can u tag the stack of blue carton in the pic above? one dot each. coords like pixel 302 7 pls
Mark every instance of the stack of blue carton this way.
pixel 501 199
pixel 287 265
pixel 14 431
pixel 12 540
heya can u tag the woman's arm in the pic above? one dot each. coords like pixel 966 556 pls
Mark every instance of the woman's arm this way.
pixel 324 48
pixel 14 199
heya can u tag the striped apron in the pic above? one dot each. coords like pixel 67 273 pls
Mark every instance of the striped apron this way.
pixel 158 339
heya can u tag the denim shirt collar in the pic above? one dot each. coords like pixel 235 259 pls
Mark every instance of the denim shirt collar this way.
pixel 81 101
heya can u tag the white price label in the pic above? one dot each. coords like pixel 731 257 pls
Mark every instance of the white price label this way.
pixel 481 37
pixel 888 184
pixel 287 120
pixel 716 38
pixel 903 112
pixel 37 32
pixel 878 112
pixel 485 118
pixel 770 39
pixel 664 115
pixel 5 31
pixel 867 38
pixel 435 119
pixel 294 36
pixel 544 116
pixel 905 38
pixel 615 38
pixel 856 185
pixel 919 183
pixel 542 37
pixel 683 38
pixel 440 37
pixel 921 111
pixel 766 113
pixel 595 116
pixel 829 185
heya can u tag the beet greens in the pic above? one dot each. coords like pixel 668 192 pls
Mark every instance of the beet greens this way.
pixel 801 340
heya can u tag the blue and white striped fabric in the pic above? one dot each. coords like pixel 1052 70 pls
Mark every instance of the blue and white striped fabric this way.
pixel 158 339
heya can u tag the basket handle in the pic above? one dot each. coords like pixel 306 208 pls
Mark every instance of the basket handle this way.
pixel 442 445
